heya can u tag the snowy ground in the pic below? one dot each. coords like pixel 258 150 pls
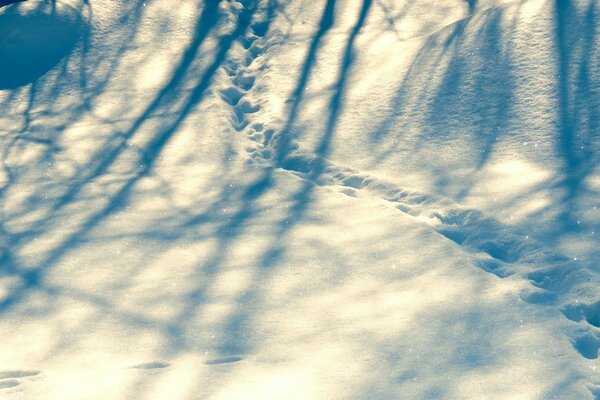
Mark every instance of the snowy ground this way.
pixel 293 199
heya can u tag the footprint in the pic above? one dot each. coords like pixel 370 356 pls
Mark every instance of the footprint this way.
pixel 454 235
pixel 543 278
pixel 493 266
pixel 256 50
pixel 223 360
pixel 244 82
pixel 9 383
pixel 248 60
pixel 354 181
pixel 247 108
pixel 460 217
pixel 260 137
pixel 255 155
pixel 246 42
pixel 404 208
pixel 299 163
pixel 230 68
pixel 269 133
pixel 587 345
pixel 231 95
pixel 17 374
pixel 152 365
pixel 349 192
pixel 538 296
pixel 500 251
pixel 260 28
pixel 255 136
pixel 551 278
pixel 589 312
pixel 266 154
pixel 239 121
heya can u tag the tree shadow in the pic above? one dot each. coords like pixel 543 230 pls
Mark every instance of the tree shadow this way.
pixel 186 88
pixel 578 105
pixel 472 5
pixel 69 192
pixel 101 187
pixel 34 38
pixel 459 87
pixel 474 103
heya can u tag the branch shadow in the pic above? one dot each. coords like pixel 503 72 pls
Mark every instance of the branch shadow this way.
pixel 145 138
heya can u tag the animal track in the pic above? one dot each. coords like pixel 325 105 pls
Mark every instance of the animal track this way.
pixel 499 250
pixel 17 374
pixel 247 108
pixel 495 248
pixel 246 42
pixel 587 345
pixel 230 68
pixel 580 312
pixel 9 379
pixel 454 235
pixel 539 297
pixel 223 360
pixel 555 277
pixel 260 28
pixel 239 120
pixel 152 365
pixel 256 50
pixel 493 266
pixel 231 95
pixel 9 383
pixel 244 82
pixel 268 135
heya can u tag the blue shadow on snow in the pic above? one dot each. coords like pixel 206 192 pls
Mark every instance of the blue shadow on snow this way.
pixel 34 38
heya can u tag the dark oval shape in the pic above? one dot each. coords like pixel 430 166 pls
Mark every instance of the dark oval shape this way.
pixel 223 360
pixel 34 37
pixel 7 2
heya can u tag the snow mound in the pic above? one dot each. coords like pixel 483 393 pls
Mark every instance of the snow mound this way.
pixel 34 37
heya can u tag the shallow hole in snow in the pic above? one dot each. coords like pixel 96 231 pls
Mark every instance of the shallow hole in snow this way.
pixel 588 312
pixel 587 346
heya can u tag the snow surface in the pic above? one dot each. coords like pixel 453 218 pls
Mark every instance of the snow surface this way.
pixel 292 199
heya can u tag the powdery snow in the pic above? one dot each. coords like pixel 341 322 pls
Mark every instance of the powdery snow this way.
pixel 303 200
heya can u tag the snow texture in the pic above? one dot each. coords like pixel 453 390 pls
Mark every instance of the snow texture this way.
pixel 283 199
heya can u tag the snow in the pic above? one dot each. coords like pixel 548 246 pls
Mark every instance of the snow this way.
pixel 288 199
